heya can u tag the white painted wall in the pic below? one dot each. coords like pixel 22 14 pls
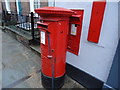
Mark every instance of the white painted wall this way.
pixel 95 59
pixel 7 4
pixel 32 6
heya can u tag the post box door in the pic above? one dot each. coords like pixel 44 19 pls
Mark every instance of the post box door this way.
pixel 74 34
pixel 45 47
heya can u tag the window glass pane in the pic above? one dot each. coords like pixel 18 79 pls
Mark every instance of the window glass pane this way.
pixel 36 4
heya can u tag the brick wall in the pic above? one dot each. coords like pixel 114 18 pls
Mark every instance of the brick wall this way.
pixel 25 8
pixel 13 7
pixel 3 5
pixel 0 7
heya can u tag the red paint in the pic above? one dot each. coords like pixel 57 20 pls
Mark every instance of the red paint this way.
pixel 74 40
pixel 97 15
pixel 55 21
pixel 52 12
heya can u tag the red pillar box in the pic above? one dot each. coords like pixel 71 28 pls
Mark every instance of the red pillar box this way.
pixel 54 26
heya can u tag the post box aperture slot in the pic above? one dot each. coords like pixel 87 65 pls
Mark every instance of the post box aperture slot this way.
pixel 42 25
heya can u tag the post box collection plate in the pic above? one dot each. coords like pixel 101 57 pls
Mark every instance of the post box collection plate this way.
pixel 42 37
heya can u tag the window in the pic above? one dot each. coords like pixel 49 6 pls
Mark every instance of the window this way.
pixel 51 3
pixel 36 4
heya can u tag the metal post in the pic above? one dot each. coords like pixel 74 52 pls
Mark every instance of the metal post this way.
pixel 32 25
pixel 3 18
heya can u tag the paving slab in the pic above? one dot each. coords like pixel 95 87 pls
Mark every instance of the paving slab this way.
pixel 19 66
pixel 18 61
pixel 36 48
pixel 32 82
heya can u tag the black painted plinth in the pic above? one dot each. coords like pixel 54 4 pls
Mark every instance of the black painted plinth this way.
pixel 47 82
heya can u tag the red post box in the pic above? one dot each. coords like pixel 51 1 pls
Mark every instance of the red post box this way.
pixel 54 26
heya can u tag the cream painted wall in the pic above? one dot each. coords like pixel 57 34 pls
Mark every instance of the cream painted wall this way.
pixel 95 59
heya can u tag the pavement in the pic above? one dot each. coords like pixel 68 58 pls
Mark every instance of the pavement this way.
pixel 21 66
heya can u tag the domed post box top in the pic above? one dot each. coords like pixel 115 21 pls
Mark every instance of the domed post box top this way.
pixel 54 12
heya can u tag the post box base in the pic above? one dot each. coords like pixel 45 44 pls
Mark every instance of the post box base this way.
pixel 47 81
